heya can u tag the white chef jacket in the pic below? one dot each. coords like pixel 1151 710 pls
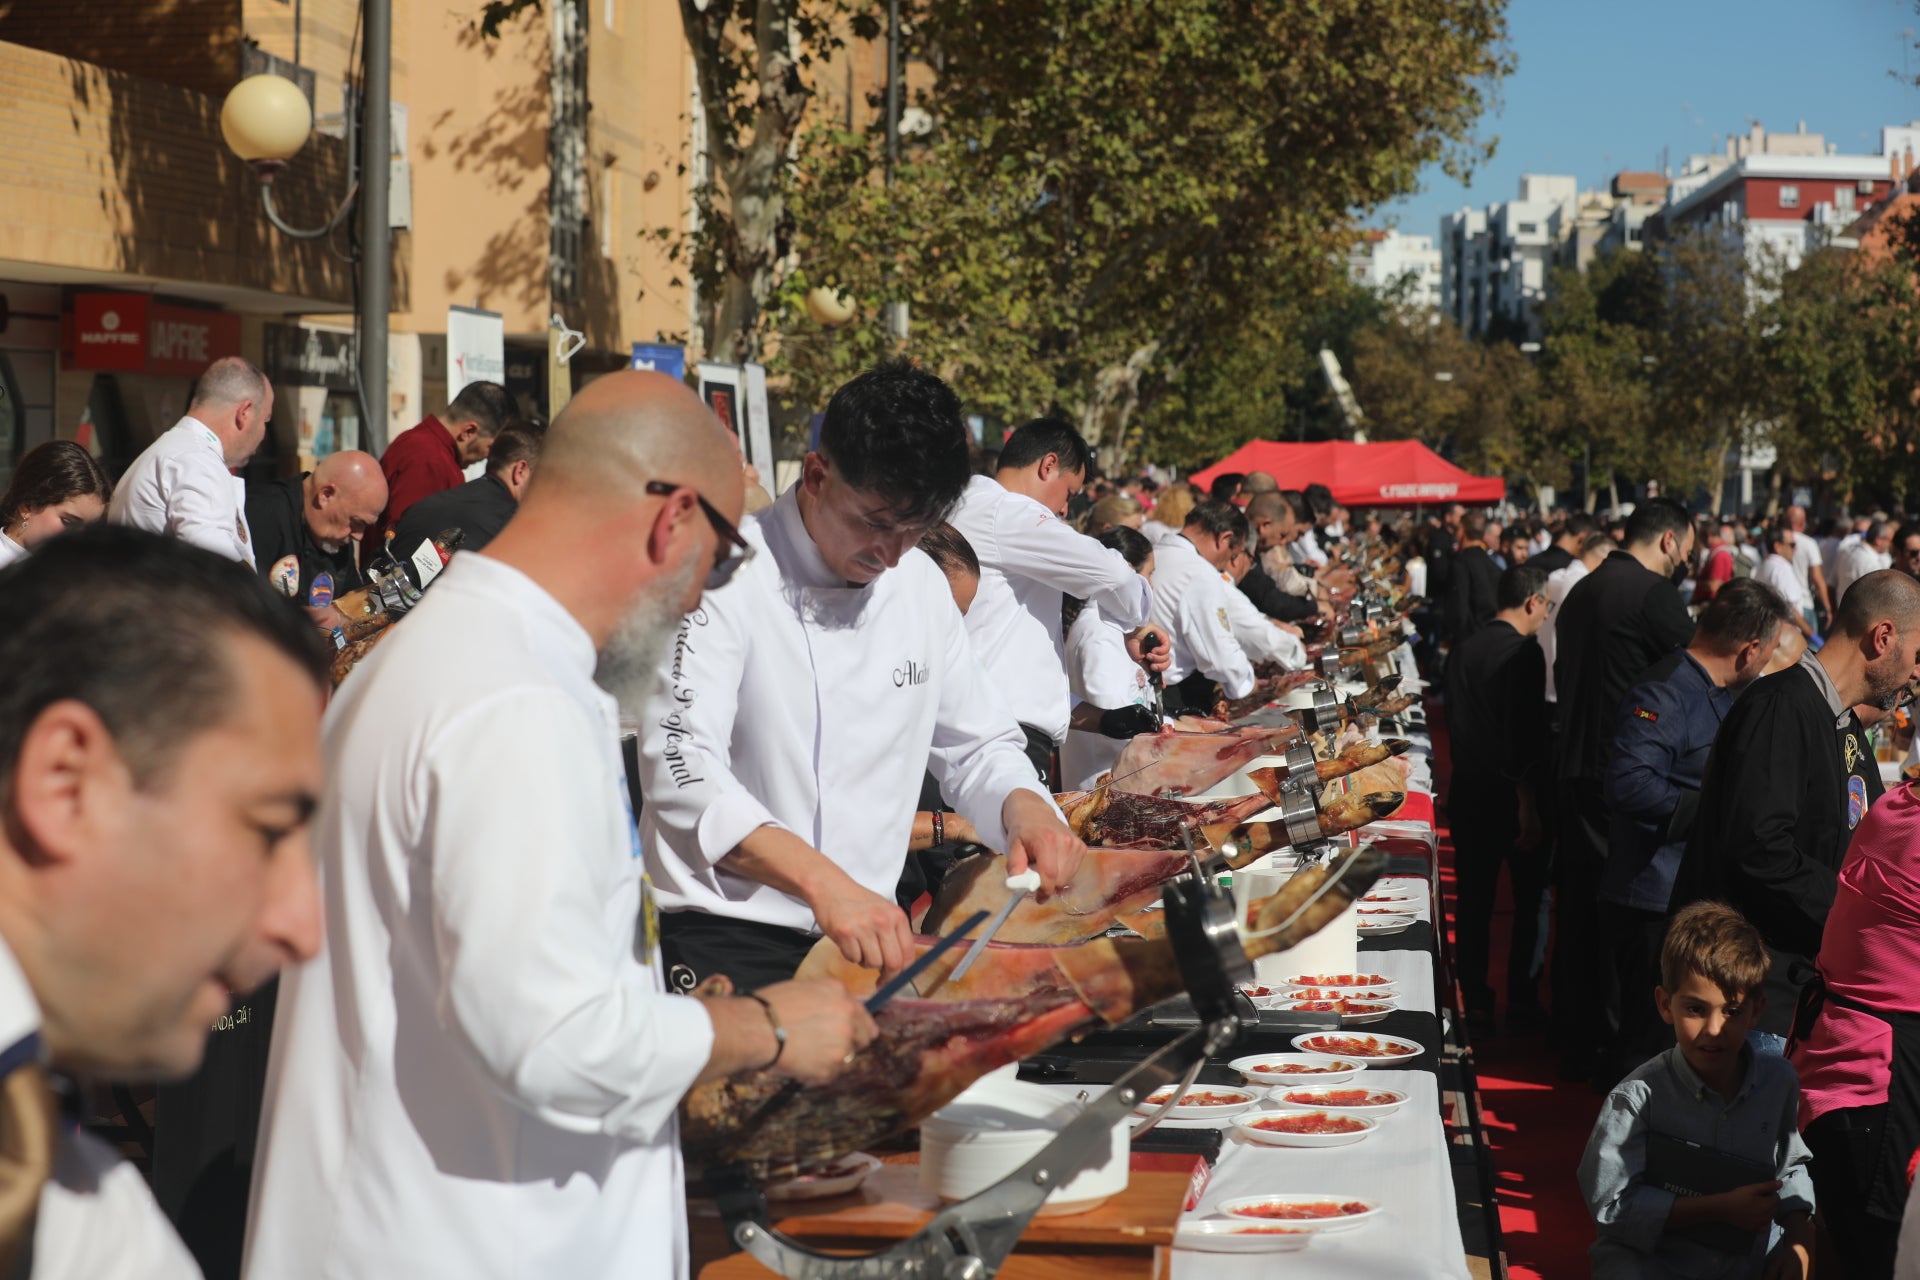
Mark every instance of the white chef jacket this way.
pixel 1190 601
pixel 1029 558
pixel 1306 548
pixel 1782 575
pixel 1559 582
pixel 1102 672
pixel 10 551
pixel 479 1075
pixel 180 486
pixel 97 1219
pixel 1158 534
pixel 1260 636
pixel 794 699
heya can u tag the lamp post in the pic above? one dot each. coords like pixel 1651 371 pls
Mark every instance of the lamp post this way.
pixel 266 120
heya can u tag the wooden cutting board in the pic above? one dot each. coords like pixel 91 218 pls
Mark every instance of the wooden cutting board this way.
pixel 1130 1235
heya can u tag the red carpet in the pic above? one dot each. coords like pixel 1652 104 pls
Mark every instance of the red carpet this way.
pixel 1537 1123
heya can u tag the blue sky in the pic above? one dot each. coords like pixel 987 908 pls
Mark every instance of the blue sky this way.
pixel 1601 88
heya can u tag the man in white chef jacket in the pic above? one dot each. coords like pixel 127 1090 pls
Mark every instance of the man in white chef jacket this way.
pixel 1261 638
pixel 1029 558
pixel 183 484
pixel 479 1076
pixel 1190 601
pixel 782 754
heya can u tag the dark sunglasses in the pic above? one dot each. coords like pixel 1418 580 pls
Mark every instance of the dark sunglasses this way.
pixel 732 549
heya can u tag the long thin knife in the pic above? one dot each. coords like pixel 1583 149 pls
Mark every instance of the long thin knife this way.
pixel 902 980
pixel 1018 888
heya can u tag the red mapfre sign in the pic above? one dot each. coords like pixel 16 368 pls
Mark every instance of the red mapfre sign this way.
pixel 131 333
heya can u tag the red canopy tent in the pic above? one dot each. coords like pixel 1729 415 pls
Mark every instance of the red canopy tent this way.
pixel 1391 473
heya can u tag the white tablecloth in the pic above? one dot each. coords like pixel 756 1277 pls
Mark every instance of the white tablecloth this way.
pixel 1403 1166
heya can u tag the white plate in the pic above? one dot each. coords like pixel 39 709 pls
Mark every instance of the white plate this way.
pixel 1390 897
pixel 1343 1068
pixel 1375 1010
pixel 1408 1049
pixel 1377 981
pixel 1250 1127
pixel 1238 1235
pixel 859 1167
pixel 1248 1100
pixel 1238 1209
pixel 1278 1097
pixel 1385 926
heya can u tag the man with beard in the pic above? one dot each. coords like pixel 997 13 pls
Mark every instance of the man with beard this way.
pixel 1790 777
pixel 1662 735
pixel 481 1075
pixel 782 751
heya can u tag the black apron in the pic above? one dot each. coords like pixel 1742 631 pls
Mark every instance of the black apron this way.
pixel 1900 1129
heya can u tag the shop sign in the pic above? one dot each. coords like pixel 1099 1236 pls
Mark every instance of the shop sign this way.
pixel 661 358
pixel 476 348
pixel 132 333
pixel 297 356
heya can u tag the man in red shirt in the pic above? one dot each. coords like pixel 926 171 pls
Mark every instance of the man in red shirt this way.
pixel 431 456
pixel 1718 570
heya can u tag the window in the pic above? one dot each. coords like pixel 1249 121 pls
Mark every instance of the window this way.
pixel 1789 196
pixel 1843 199
pixel 1528 229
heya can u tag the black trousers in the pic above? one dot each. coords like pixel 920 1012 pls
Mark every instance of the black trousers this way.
pixel 1485 817
pixel 1845 1146
pixel 695 946
pixel 1580 969
pixel 1633 937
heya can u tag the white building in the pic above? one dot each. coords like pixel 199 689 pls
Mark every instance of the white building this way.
pixel 1386 260
pixel 1494 261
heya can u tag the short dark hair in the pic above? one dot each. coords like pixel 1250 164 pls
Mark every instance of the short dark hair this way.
pixel 486 404
pixel 1320 499
pixel 1217 518
pixel 1713 940
pixel 1132 545
pixel 1032 441
pixel 1473 525
pixel 1267 506
pixel 135 626
pixel 1519 585
pixel 1744 610
pixel 896 431
pixel 1226 486
pixel 51 473
pixel 950 550
pixel 1302 513
pixel 1885 595
pixel 518 442
pixel 1654 519
pixel 1594 541
pixel 1579 523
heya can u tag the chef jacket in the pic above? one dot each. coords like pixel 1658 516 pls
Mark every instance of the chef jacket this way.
pixel 1099 671
pixel 1665 730
pixel 479 1075
pixel 793 699
pixel 10 551
pixel 1158 534
pixel 97 1220
pixel 1190 601
pixel 1029 558
pixel 1258 636
pixel 291 558
pixel 180 486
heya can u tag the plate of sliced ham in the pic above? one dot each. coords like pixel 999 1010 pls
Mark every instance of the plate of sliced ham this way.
pixel 1241 1235
pixel 1305 1128
pixel 1315 1212
pixel 1371 1048
pixel 1339 1099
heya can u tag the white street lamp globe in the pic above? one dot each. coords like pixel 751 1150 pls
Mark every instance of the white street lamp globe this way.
pixel 266 120
pixel 830 307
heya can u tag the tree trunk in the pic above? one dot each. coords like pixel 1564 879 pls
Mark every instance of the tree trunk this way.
pixel 1109 410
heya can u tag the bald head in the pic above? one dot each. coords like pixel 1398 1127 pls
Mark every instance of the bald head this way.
pixel 344 494
pixel 1884 595
pixel 1261 482
pixel 630 427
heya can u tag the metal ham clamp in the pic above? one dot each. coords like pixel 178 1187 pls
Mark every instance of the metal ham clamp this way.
pixel 972 1239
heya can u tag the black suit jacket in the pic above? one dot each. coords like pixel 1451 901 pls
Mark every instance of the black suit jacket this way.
pixel 1615 623
pixel 1269 599
pixel 1472 599
pixel 479 509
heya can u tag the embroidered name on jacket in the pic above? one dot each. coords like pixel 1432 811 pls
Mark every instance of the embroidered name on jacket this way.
pixel 912 673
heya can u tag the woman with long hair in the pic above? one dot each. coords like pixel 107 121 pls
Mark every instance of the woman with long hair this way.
pixel 57 486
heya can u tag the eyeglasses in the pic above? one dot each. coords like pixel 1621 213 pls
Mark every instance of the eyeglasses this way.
pixel 732 549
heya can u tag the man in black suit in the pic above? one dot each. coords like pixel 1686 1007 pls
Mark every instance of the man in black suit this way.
pixel 1473 596
pixel 479 508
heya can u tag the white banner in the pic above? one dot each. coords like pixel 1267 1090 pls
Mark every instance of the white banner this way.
pixel 759 434
pixel 476 348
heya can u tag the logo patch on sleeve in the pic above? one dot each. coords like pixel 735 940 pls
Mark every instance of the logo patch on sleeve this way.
pixel 285 576
pixel 1644 714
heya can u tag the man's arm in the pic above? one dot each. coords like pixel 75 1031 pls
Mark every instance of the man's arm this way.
pixel 1648 739
pixel 1209 634
pixel 1049 550
pixel 1269 599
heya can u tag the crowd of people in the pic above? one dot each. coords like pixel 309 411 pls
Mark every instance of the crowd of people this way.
pixel 510 950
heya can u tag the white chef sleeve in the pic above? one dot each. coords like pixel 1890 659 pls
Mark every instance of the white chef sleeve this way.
pixel 979 754
pixel 1048 549
pixel 199 513
pixel 1209 634
pixel 535 975
pixel 1099 668
pixel 684 744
